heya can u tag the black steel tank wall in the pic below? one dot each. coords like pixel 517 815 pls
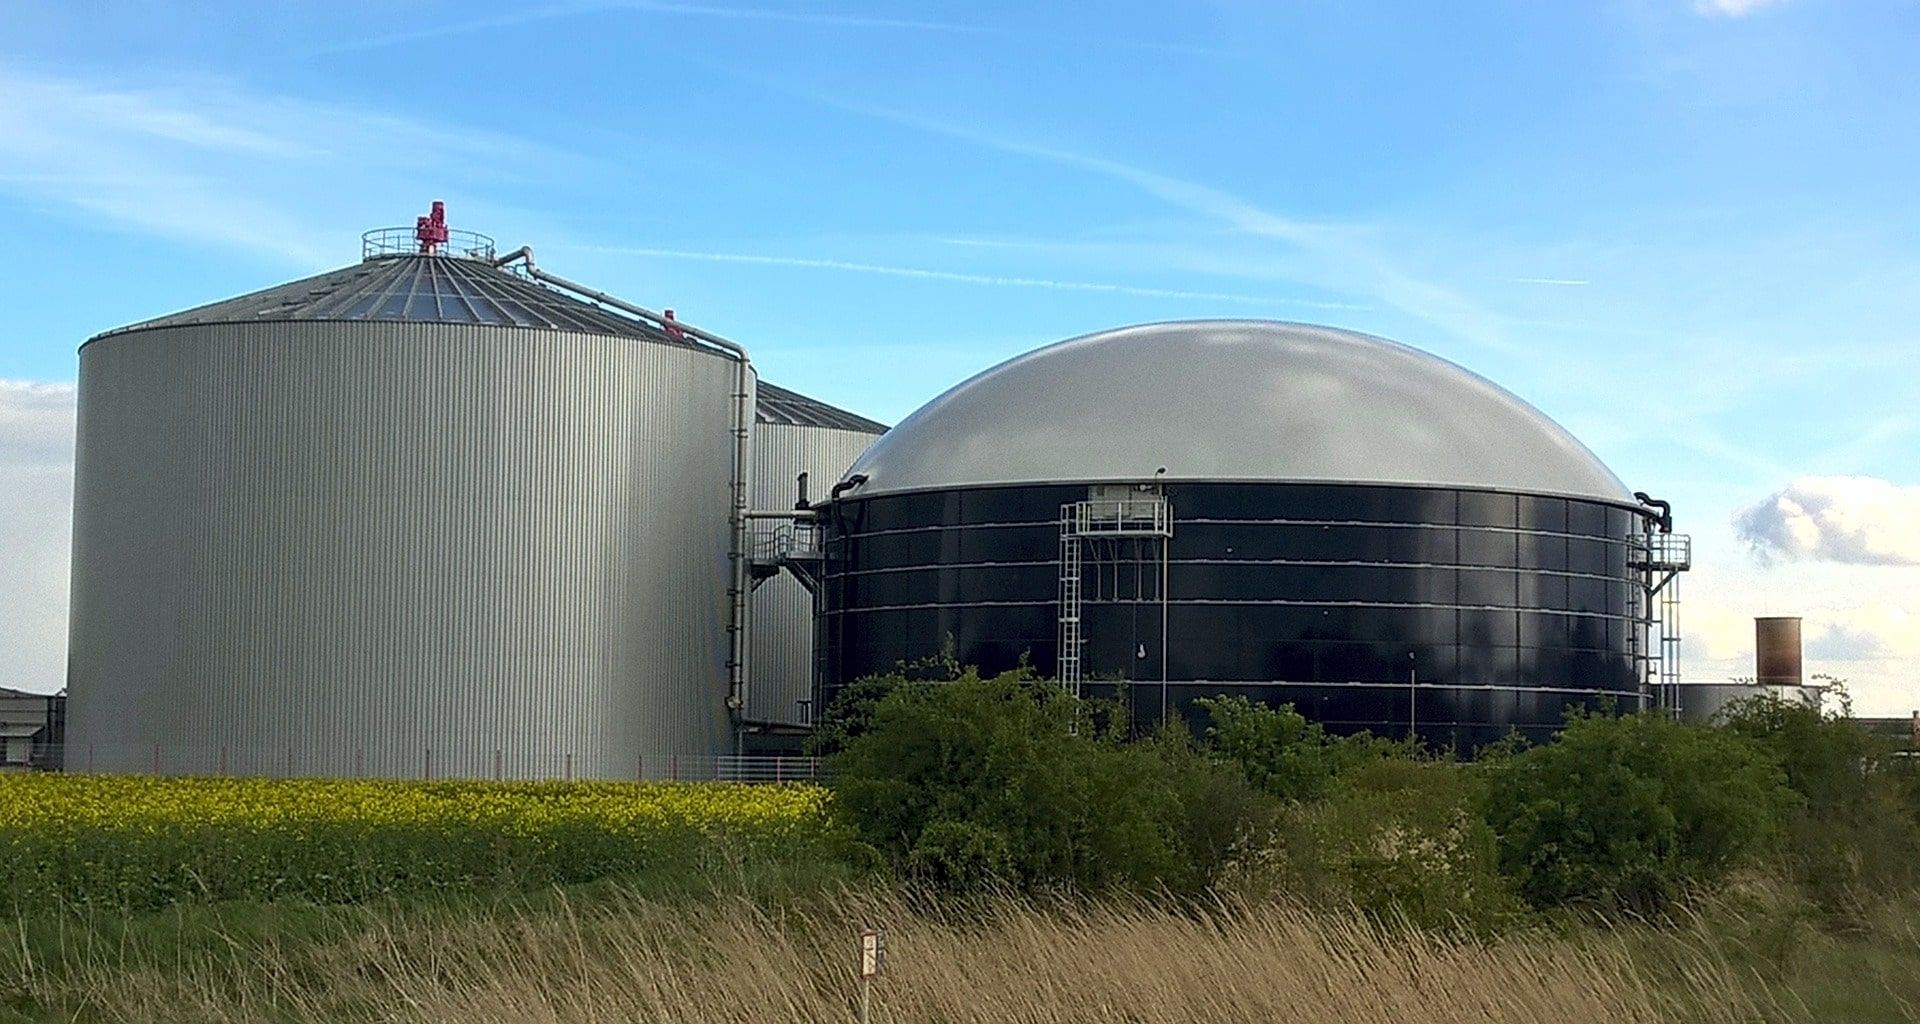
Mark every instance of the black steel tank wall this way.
pixel 1506 608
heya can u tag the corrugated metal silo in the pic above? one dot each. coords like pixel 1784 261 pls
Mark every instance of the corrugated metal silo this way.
pixel 793 434
pixel 417 516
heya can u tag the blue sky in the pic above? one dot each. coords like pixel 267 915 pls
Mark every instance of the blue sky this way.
pixel 1688 231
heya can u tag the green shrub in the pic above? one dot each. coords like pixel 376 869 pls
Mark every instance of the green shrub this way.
pixel 1401 839
pixel 1001 783
pixel 1630 812
pixel 1856 831
pixel 1279 751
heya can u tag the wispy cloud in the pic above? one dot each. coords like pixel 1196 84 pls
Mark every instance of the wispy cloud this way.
pixel 1731 8
pixel 206 162
pixel 1340 260
pixel 960 277
pixel 817 17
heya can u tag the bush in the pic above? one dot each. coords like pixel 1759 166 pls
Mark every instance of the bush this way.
pixel 1279 751
pixel 987 783
pixel 1402 840
pixel 1628 813
pixel 1856 831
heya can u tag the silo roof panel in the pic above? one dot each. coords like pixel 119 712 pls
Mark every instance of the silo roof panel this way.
pixel 779 405
pixel 418 289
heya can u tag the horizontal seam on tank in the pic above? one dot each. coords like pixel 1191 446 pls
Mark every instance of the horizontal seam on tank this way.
pixel 1155 602
pixel 1400 686
pixel 1177 522
pixel 1322 563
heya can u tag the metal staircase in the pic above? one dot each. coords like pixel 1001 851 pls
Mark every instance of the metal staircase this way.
pixel 792 546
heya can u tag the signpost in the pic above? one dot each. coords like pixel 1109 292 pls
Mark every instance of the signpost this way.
pixel 873 957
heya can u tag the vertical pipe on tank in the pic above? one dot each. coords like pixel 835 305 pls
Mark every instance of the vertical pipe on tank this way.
pixel 1776 650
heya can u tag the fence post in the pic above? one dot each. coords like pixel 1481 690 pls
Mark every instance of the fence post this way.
pixel 89 759
pixel 289 762
pixel 569 766
pixel 223 759
pixel 156 759
pixel 673 767
pixel 428 773
pixel 496 764
pixel 639 767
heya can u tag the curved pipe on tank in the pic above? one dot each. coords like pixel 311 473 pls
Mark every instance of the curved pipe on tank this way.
pixel 846 485
pixel 1665 518
pixel 742 588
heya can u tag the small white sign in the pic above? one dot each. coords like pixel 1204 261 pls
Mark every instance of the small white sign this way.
pixel 873 952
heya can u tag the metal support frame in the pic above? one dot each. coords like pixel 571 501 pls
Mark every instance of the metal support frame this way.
pixel 1139 516
pixel 1660 557
pixel 793 546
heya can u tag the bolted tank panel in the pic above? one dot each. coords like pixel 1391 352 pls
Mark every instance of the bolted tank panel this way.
pixel 398 548
pixel 782 654
pixel 1461 614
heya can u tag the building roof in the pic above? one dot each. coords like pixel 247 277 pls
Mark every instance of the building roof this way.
pixel 1233 400
pixel 8 691
pixel 416 289
pixel 778 405
pixel 457 290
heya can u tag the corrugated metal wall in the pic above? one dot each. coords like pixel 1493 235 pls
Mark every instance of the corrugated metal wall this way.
pixel 782 658
pixel 398 549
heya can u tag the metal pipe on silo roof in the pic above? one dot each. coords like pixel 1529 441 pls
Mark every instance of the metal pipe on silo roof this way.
pixel 1776 651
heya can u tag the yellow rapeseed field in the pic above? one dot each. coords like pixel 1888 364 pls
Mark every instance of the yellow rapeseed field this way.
pixel 147 841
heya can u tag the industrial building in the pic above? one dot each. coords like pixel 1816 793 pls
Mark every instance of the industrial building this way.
pixel 443 513
pixel 438 513
pixel 32 727
pixel 1294 513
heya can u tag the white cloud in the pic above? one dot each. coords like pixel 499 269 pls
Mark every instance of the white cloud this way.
pixel 36 498
pixel 206 162
pixel 1731 8
pixel 1859 520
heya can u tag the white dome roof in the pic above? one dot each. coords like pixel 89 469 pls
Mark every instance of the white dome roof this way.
pixel 1233 400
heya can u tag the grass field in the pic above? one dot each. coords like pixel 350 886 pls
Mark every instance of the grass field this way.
pixel 222 901
pixel 608 953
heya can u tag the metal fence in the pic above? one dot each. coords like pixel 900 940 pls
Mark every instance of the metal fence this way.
pixel 499 764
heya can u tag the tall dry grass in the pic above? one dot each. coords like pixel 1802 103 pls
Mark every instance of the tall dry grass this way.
pixel 627 958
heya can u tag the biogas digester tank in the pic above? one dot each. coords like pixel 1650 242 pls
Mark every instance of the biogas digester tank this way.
pixel 1292 513
pixel 416 516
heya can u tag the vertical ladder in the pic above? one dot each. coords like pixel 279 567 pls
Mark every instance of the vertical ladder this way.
pixel 1670 641
pixel 1138 513
pixel 1069 634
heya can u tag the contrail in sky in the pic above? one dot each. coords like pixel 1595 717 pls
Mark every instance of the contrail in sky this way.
pixel 951 275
